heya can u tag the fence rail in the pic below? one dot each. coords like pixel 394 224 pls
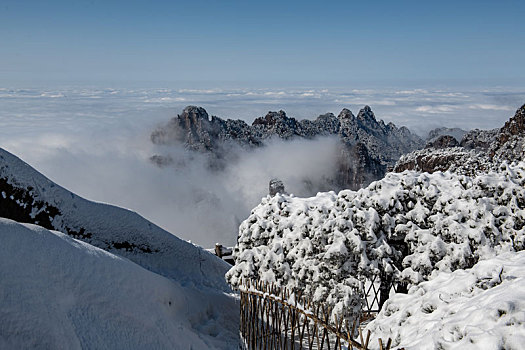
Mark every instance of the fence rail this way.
pixel 274 318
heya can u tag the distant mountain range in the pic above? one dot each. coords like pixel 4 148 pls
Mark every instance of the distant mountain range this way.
pixel 477 151
pixel 367 146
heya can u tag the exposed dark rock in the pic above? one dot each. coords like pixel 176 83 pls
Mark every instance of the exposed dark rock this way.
pixel 457 133
pixel 479 139
pixel 516 124
pixel 362 138
pixel 444 141
pixel 19 204
pixel 276 186
pixel 479 151
pixel 357 168
pixel 456 159
pixel 510 143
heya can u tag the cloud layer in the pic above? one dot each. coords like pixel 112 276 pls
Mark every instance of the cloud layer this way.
pixel 95 142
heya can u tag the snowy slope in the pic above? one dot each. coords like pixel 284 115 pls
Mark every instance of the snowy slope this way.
pixel 60 293
pixel 479 308
pixel 28 196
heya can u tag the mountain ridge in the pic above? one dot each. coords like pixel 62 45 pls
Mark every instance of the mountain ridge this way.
pixel 478 150
pixel 28 196
pixel 372 145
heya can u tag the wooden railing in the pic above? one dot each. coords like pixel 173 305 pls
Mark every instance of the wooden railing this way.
pixel 273 318
pixel 376 292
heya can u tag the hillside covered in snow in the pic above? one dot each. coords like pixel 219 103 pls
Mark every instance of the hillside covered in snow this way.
pixel 28 196
pixel 92 275
pixel 57 292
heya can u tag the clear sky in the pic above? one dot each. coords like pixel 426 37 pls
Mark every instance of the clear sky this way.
pixel 261 41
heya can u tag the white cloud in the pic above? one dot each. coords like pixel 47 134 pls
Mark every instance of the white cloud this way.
pixel 436 109
pixel 96 142
pixel 492 107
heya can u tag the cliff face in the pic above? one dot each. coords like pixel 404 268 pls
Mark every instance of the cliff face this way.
pixel 478 151
pixel 367 146
pixel 510 141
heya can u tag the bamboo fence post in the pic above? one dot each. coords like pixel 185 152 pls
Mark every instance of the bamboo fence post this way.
pixel 268 320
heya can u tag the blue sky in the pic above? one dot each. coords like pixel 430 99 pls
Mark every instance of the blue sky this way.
pixel 262 42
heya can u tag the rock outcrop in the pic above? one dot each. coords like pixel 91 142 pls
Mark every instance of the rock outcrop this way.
pixel 368 146
pixel 478 151
pixel 510 142
pixel 444 141
pixel 457 133
pixel 276 186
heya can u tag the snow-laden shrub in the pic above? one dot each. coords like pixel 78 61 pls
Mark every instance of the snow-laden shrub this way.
pixel 406 226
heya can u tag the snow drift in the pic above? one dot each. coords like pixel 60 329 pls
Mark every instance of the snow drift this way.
pixel 478 308
pixel 60 293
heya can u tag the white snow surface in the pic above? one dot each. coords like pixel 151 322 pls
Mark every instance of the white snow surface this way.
pixel 107 225
pixel 60 293
pixel 479 308
pixel 326 245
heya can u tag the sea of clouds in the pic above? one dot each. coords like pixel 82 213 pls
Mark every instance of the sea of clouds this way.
pixel 95 142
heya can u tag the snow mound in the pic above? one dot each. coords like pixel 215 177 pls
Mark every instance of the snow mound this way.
pixel 479 308
pixel 60 293
pixel 405 226
pixel 28 196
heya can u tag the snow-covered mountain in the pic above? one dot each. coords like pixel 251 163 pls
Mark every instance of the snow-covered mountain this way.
pixel 57 292
pixel 108 279
pixel 28 196
pixel 368 146
pixel 478 151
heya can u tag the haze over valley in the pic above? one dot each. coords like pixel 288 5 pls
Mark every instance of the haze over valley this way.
pixel 96 142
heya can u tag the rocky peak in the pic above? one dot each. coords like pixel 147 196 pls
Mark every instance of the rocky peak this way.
pixel 479 139
pixel 367 120
pixel 327 117
pixel 367 147
pixel 276 186
pixel 366 115
pixel 346 114
pixel 271 118
pixel 200 130
pixel 457 133
pixel 478 151
pixel 443 141
pixel 516 124
pixel 510 142
pixel 275 123
pixel 195 113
